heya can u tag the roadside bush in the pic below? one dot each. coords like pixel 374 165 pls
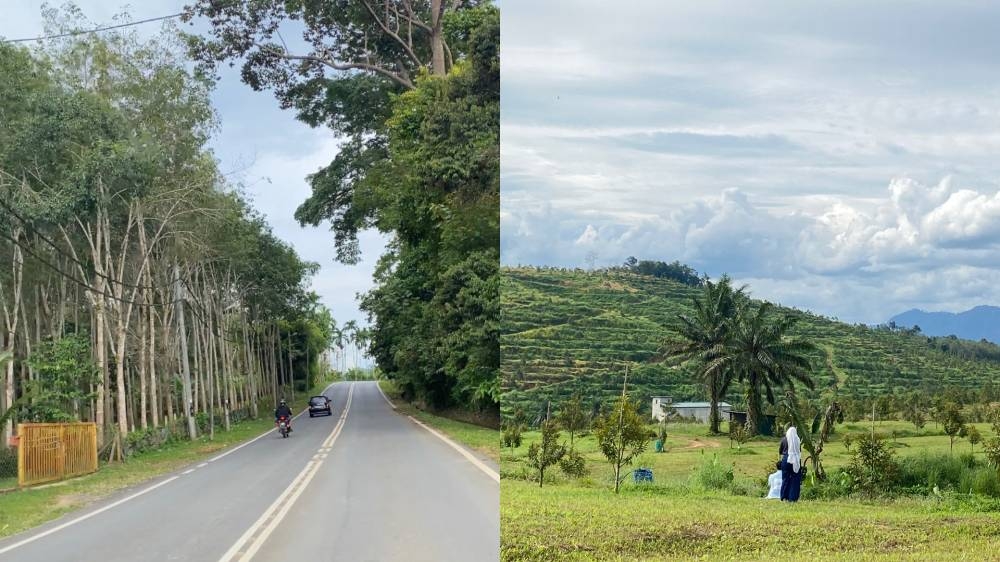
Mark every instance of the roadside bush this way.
pixel 713 475
pixel 873 468
pixel 149 439
pixel 573 464
pixel 8 462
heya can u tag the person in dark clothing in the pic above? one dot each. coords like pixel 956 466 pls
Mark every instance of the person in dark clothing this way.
pixel 790 450
pixel 283 410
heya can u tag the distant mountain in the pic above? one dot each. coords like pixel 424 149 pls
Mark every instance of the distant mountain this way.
pixel 975 324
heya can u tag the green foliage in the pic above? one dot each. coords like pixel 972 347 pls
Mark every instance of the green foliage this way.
pixel 547 452
pixel 739 434
pixel 992 450
pixel 8 462
pixel 953 423
pixel 512 436
pixel 702 334
pixel 873 467
pixel 436 303
pixel 973 435
pixel 566 332
pixel 64 372
pixel 621 436
pixel 153 439
pixel 572 417
pixel 712 474
pixel 573 464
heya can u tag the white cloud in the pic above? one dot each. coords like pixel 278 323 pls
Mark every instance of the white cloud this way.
pixel 854 258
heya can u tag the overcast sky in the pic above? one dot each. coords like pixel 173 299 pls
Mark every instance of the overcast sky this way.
pixel 271 150
pixel 836 156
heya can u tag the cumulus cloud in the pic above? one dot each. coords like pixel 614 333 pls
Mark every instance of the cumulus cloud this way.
pixel 760 140
pixel 919 245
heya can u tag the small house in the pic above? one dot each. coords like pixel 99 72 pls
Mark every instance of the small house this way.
pixel 700 411
pixel 767 425
pixel 658 406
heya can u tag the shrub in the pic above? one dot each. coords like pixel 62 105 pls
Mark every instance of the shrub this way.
pixel 873 468
pixel 149 439
pixel 512 436
pixel 925 471
pixel 983 481
pixel 746 487
pixel 713 475
pixel 573 464
pixel 836 485
pixel 992 450
pixel 8 462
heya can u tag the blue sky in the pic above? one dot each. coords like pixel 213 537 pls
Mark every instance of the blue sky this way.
pixel 839 157
pixel 269 150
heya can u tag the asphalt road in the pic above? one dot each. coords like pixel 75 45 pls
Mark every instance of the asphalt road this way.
pixel 363 484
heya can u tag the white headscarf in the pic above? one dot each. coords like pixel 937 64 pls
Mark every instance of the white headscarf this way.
pixel 794 448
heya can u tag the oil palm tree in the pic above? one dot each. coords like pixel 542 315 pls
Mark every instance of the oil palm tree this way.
pixel 760 354
pixel 703 334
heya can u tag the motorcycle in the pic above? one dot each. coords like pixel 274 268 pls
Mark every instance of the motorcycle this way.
pixel 284 427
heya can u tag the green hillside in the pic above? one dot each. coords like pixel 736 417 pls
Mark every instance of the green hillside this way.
pixel 573 331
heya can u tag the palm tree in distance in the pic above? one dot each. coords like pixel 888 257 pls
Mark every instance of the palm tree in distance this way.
pixel 759 353
pixel 703 334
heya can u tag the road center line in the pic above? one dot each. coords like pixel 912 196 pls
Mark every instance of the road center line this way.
pixel 250 542
pixel 262 435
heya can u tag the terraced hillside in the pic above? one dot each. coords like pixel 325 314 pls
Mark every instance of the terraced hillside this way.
pixel 569 331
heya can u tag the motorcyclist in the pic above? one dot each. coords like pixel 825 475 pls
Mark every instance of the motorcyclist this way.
pixel 283 410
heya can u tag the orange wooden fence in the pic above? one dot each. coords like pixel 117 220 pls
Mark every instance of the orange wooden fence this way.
pixel 53 451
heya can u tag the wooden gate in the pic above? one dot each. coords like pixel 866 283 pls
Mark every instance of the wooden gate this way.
pixel 53 451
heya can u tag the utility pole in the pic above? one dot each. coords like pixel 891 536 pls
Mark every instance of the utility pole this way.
pixel 186 368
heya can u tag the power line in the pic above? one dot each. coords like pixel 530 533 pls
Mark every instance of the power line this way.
pixel 95 30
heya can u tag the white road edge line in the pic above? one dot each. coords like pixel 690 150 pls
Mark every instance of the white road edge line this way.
pixel 272 516
pixel 387 401
pixel 87 516
pixel 141 492
pixel 469 456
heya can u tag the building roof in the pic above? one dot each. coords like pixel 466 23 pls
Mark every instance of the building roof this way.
pixel 697 404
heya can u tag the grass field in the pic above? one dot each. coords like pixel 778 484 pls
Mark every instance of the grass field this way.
pixel 24 509
pixel 482 439
pixel 676 518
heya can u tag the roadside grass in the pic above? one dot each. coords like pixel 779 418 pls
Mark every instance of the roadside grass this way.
pixel 23 509
pixel 482 439
pixel 565 522
pixel 675 517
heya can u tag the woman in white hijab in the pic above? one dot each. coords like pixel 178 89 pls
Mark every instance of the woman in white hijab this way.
pixel 791 465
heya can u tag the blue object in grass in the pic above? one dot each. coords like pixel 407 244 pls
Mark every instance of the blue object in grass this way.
pixel 642 475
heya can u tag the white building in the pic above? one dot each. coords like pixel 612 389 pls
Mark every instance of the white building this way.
pixel 659 402
pixel 700 411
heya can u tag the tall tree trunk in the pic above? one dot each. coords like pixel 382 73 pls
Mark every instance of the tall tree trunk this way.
pixel 438 67
pixel 185 367
pixel 11 320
